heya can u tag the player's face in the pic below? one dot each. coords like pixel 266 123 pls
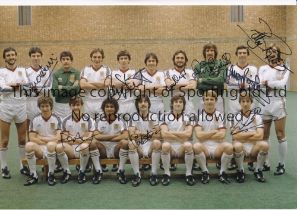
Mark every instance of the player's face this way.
pixel 245 104
pixel 76 107
pixel 151 64
pixel 143 105
pixel 178 105
pixel 10 58
pixel 124 62
pixel 45 108
pixel 272 54
pixel 109 109
pixel 97 59
pixel 66 62
pixel 210 54
pixel 180 60
pixel 242 55
pixel 36 59
pixel 209 102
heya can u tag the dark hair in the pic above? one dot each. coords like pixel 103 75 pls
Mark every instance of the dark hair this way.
pixel 75 99
pixel 277 50
pixel 66 54
pixel 110 101
pixel 241 96
pixel 210 93
pixel 45 100
pixel 35 50
pixel 123 53
pixel 97 50
pixel 139 99
pixel 7 50
pixel 209 46
pixel 175 98
pixel 182 52
pixel 242 47
pixel 150 55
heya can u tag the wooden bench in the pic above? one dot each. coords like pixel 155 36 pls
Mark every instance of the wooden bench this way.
pixel 43 162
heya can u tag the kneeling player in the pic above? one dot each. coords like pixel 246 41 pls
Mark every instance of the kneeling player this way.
pixel 143 127
pixel 247 135
pixel 44 133
pixel 210 132
pixel 176 131
pixel 79 130
pixel 112 133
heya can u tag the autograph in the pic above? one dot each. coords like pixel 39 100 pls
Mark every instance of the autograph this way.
pixel 143 138
pixel 258 40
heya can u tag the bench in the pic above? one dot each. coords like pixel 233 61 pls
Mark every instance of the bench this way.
pixel 142 161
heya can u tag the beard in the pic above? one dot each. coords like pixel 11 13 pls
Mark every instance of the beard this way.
pixel 11 61
pixel 179 65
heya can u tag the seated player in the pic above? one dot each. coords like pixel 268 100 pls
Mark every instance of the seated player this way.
pixel 112 133
pixel 77 141
pixel 144 127
pixel 248 141
pixel 176 131
pixel 210 132
pixel 44 133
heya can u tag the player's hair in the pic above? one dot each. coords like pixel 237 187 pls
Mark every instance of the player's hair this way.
pixel 272 45
pixel 110 101
pixel 97 50
pixel 210 46
pixel 66 54
pixel 139 99
pixel 210 93
pixel 175 98
pixel 123 53
pixel 182 52
pixel 151 55
pixel 35 50
pixel 242 47
pixel 75 99
pixel 7 50
pixel 45 100
pixel 243 96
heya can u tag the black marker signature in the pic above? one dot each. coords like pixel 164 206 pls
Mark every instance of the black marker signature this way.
pixel 143 138
pixel 257 40
pixel 75 138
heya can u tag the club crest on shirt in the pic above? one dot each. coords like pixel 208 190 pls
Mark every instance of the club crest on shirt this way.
pixel 116 126
pixel 60 79
pixel 53 126
pixel 20 74
pixel 158 80
pixel 71 77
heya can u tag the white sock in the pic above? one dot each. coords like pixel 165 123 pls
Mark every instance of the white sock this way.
pixel 31 158
pixel 123 158
pixel 95 159
pixel 64 161
pixel 134 159
pixel 282 150
pixel 21 154
pixel 201 160
pixel 83 160
pixel 189 159
pixel 3 157
pixel 166 162
pixel 260 160
pixel 225 160
pixel 239 157
pixel 51 159
pixel 156 156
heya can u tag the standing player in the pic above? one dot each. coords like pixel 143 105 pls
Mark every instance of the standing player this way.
pixel 12 108
pixel 154 83
pixel 210 132
pixel 44 133
pixel 93 79
pixel 247 136
pixel 40 80
pixel 111 131
pixel 77 141
pixel 65 85
pixel 124 83
pixel 274 78
pixel 180 79
pixel 176 131
pixel 211 75
pixel 144 127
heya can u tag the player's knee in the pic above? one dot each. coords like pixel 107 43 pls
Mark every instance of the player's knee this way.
pixel 228 148
pixel 132 145
pixel 197 147
pixel 166 147
pixel 29 147
pixel 280 134
pixel 84 148
pixel 51 146
pixel 188 147
pixel 156 144
pixel 263 146
pixel 59 148
pixel 93 145
pixel 124 144
pixel 238 147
